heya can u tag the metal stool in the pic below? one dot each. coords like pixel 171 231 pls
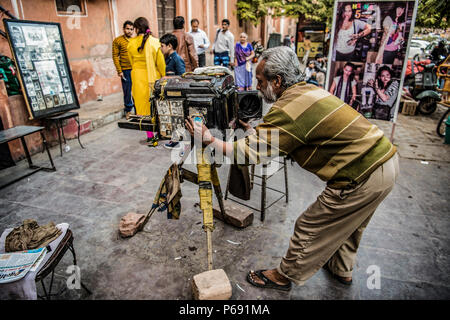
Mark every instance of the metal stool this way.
pixel 50 265
pixel 264 178
pixel 58 120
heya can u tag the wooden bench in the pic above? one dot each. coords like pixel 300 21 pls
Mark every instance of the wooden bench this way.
pixel 20 132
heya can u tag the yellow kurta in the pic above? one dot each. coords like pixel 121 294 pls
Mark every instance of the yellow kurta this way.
pixel 147 66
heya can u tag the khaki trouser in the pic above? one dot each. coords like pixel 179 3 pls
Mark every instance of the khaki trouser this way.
pixel 331 228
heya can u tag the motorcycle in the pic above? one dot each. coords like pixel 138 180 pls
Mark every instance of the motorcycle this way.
pixel 422 85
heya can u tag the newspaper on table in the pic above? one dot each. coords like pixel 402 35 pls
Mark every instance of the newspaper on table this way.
pixel 15 265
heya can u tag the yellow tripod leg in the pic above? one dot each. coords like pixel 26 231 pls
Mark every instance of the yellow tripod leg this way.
pixel 205 192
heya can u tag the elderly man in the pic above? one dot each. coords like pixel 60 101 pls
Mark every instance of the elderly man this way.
pixel 329 138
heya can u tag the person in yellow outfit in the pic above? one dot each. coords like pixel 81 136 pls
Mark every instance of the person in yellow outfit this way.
pixel 147 66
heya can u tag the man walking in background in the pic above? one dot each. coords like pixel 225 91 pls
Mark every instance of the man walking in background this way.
pixel 223 47
pixel 186 47
pixel 201 42
pixel 123 65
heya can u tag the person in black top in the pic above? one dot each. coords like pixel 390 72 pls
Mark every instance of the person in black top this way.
pixel 438 51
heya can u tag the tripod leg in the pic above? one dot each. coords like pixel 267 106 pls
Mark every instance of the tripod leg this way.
pixel 205 193
pixel 228 184
pixel 210 253
pixel 217 189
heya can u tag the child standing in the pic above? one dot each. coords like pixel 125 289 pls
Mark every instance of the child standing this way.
pixel 174 63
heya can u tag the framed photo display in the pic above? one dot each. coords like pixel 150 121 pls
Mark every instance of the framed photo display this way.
pixel 368 54
pixel 43 69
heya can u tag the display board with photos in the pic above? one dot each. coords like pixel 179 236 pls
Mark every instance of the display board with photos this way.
pixel 367 57
pixel 42 65
pixel 171 116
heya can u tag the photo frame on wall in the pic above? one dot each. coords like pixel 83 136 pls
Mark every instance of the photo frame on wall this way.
pixel 368 54
pixel 42 66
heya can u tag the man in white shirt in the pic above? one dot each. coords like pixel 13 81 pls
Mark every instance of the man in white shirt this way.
pixel 223 47
pixel 201 42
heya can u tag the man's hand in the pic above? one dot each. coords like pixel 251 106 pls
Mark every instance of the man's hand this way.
pixel 197 130
pixel 247 126
pixel 352 42
pixel 232 64
pixel 201 46
pixel 121 75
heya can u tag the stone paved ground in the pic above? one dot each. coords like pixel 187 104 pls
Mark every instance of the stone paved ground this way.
pixel 408 237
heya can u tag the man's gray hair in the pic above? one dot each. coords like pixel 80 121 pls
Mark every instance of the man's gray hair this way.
pixel 282 61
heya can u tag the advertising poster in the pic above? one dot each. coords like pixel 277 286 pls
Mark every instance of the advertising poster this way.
pixel 310 40
pixel 43 69
pixel 368 54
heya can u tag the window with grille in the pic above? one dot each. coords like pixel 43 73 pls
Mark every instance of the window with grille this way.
pixel 70 7
pixel 216 18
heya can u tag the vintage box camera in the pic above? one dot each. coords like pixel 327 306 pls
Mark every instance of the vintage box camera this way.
pixel 249 105
pixel 212 97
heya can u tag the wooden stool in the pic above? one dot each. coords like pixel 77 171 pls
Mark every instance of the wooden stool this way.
pixel 264 178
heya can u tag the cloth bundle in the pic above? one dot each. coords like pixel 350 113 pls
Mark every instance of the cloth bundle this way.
pixel 31 236
pixel 169 193
pixel 239 184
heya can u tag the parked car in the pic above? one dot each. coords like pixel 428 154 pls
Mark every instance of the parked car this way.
pixel 416 49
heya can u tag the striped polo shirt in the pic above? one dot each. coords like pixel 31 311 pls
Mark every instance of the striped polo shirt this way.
pixel 321 133
pixel 120 53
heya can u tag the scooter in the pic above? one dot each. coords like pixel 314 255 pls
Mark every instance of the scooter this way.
pixel 423 88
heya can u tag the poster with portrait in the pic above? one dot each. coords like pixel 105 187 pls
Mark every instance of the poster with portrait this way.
pixel 367 57
pixel 42 65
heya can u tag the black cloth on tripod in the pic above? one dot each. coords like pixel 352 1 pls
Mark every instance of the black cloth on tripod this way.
pixel 239 185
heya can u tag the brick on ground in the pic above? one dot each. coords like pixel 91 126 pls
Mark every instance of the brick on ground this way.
pixel 211 285
pixel 235 214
